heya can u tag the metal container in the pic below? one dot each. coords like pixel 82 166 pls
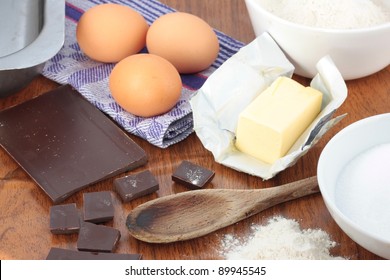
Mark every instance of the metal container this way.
pixel 31 32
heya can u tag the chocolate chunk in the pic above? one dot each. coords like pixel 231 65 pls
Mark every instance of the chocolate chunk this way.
pixel 98 207
pixel 192 175
pixel 66 254
pixel 133 186
pixel 97 238
pixel 64 219
pixel 65 143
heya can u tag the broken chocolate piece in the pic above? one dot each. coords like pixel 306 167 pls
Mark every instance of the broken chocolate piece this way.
pixel 97 238
pixel 98 207
pixel 64 219
pixel 133 186
pixel 66 254
pixel 192 175
pixel 65 143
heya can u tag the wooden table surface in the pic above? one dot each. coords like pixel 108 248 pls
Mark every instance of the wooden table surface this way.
pixel 24 208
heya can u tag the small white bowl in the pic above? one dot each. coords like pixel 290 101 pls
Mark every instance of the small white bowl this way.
pixel 354 181
pixel 356 52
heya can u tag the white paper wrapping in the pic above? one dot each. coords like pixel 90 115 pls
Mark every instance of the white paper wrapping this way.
pixel 218 103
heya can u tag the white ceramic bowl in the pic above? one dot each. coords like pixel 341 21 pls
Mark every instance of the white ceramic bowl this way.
pixel 354 181
pixel 356 52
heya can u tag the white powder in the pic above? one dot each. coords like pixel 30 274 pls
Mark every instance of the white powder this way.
pixel 336 14
pixel 363 190
pixel 280 239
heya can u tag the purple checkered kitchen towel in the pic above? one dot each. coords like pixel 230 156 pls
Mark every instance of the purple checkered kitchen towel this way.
pixel 90 78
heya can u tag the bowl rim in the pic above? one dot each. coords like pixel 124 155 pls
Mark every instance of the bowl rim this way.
pixel 48 42
pixel 325 194
pixel 335 31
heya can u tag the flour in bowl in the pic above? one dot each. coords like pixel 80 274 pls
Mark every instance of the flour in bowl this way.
pixel 280 239
pixel 333 14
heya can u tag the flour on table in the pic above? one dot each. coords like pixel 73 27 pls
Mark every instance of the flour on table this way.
pixel 280 239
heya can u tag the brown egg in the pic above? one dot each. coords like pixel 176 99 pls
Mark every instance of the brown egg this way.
pixel 111 32
pixel 145 85
pixel 186 40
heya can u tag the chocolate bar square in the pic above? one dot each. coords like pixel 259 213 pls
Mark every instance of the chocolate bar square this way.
pixel 192 175
pixel 64 219
pixel 97 238
pixel 65 143
pixel 98 207
pixel 66 254
pixel 133 186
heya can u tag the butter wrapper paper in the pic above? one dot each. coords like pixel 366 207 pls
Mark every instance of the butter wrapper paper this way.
pixel 218 103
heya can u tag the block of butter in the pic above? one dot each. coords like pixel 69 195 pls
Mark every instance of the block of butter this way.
pixel 269 126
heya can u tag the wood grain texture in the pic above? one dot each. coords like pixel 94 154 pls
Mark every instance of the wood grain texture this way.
pixel 24 208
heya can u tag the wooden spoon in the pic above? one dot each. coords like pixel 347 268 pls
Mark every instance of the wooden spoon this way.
pixel 193 214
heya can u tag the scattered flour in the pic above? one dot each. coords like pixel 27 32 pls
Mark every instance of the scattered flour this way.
pixel 336 14
pixel 280 239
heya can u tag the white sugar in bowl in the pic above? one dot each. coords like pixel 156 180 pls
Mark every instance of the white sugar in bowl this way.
pixel 354 179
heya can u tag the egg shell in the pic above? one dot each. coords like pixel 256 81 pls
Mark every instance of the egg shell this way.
pixel 111 32
pixel 145 85
pixel 186 40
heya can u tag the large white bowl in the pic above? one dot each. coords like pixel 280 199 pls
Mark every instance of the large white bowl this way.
pixel 356 52
pixel 370 212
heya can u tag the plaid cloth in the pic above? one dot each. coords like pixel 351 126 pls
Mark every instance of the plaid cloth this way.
pixel 90 78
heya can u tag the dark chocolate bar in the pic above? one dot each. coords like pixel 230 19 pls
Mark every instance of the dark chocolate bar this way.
pixel 64 219
pixel 192 175
pixel 133 186
pixel 97 238
pixel 66 254
pixel 65 143
pixel 98 207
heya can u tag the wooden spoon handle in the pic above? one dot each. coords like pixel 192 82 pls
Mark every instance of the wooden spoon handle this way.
pixel 269 197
